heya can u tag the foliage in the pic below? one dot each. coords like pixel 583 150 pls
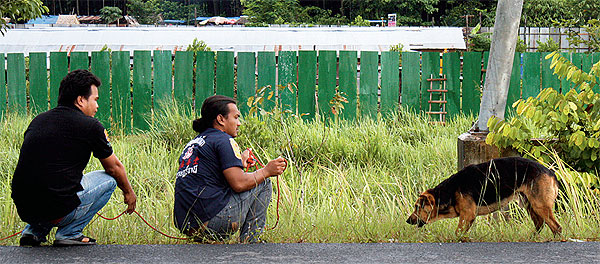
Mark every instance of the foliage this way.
pixel 198 45
pixel 479 41
pixel 549 46
pixel 543 13
pixel 592 41
pixel 110 14
pixel 144 11
pixel 454 16
pixel 359 21
pixel 399 48
pixel 20 10
pixel 269 11
pixel 571 121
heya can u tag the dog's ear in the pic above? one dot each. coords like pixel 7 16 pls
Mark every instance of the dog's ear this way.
pixel 428 198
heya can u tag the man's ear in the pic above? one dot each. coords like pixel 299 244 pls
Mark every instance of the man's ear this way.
pixel 220 119
pixel 79 101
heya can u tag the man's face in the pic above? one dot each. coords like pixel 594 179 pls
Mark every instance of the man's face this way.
pixel 89 106
pixel 231 122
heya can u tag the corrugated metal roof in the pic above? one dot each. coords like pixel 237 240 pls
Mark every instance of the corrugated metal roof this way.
pixel 46 39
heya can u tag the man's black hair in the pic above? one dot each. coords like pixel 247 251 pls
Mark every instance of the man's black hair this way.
pixel 211 108
pixel 76 83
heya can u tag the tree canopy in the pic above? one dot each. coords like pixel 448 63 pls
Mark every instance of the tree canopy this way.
pixel 20 10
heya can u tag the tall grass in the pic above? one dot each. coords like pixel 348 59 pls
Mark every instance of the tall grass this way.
pixel 347 181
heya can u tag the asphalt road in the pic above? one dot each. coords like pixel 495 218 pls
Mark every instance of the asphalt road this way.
pixel 553 252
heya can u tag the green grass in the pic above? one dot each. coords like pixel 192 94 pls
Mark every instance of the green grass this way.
pixel 347 182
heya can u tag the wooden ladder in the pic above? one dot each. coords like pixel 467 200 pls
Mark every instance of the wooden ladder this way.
pixel 439 101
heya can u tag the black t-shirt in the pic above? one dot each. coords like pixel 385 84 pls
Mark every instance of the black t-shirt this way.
pixel 55 151
pixel 201 190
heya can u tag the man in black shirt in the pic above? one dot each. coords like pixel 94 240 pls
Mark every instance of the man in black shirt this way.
pixel 48 186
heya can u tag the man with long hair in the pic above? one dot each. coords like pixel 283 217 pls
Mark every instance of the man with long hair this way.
pixel 214 197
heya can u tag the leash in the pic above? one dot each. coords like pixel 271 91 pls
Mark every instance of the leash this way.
pixel 114 218
pixel 141 217
pixel 11 235
pixel 253 158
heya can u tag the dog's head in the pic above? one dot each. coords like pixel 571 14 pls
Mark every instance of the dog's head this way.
pixel 426 210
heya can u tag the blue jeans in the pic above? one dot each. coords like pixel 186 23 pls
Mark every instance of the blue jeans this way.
pixel 98 186
pixel 246 211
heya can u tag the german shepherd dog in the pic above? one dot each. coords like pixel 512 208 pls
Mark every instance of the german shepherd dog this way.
pixel 484 188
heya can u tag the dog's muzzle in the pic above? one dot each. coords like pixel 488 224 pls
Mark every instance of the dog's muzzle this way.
pixel 415 221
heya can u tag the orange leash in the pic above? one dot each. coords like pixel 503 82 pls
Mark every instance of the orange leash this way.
pixel 253 158
pixel 11 235
pixel 141 217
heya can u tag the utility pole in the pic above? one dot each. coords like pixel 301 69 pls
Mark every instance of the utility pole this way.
pixel 471 145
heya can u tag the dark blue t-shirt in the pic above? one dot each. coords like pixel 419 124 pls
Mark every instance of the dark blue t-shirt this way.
pixel 201 190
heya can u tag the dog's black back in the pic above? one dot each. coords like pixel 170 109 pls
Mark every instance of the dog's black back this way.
pixel 491 181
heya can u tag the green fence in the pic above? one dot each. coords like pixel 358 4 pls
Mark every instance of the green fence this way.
pixel 373 82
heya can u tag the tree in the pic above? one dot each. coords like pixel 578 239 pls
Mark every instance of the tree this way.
pixel 20 10
pixel 481 12
pixel 110 14
pixel 146 12
pixel 269 11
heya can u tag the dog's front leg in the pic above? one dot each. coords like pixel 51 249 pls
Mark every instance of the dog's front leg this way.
pixel 466 209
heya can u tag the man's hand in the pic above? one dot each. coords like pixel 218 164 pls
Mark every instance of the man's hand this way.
pixel 276 167
pixel 130 199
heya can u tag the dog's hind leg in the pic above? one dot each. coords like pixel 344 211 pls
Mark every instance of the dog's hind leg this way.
pixel 538 222
pixel 541 200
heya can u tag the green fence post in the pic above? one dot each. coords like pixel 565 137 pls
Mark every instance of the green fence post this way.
pixel 596 59
pixel 565 85
pixel 38 82
pixel 347 68
pixel 411 81
pixel 531 74
pixel 471 85
pixel 548 78
pixel 101 68
pixel 390 82
pixel 246 79
pixel 287 77
pixel 307 83
pixel 3 94
pixel 266 77
pixel 163 78
pixel 514 90
pixel 205 77
pixel 369 63
pixel 327 81
pixel 225 73
pixel 183 87
pixel 59 67
pixel 577 60
pixel 142 89
pixel 451 69
pixel 121 89
pixel 431 69
pixel 79 60
pixel 17 97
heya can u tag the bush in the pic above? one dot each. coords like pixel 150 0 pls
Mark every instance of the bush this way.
pixel 549 46
pixel 569 123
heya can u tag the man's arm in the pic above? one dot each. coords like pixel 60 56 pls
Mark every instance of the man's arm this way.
pixel 241 181
pixel 113 166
